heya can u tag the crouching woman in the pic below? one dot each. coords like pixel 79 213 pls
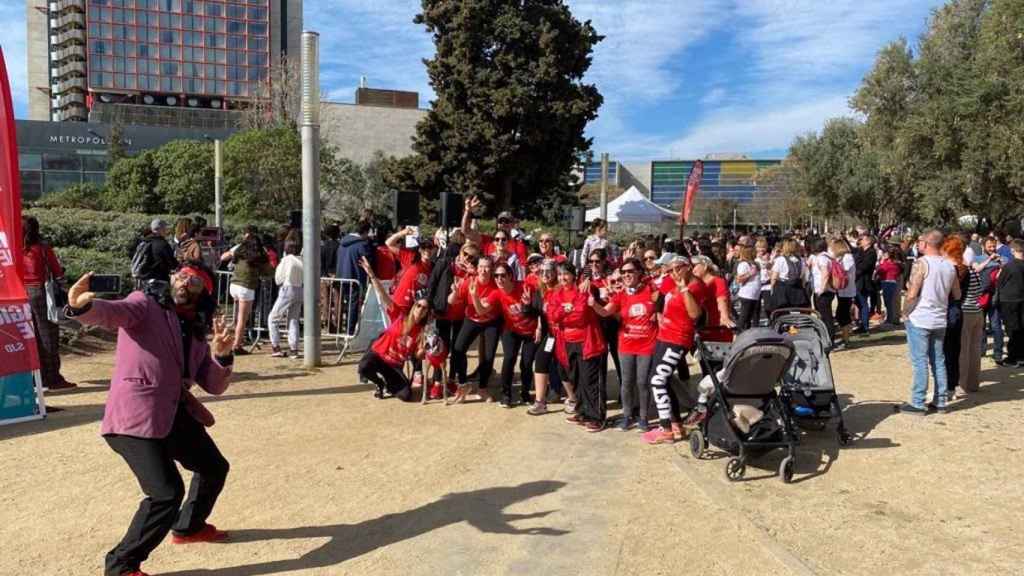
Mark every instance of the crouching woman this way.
pixel 402 341
pixel 151 418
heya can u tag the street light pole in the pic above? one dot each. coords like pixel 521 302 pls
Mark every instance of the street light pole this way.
pixel 218 184
pixel 311 197
pixel 604 186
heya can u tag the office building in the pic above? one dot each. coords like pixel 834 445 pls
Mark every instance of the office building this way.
pixel 174 63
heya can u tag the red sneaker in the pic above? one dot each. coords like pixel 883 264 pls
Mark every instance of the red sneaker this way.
pixel 208 533
pixel 436 392
pixel 659 436
pixel 452 387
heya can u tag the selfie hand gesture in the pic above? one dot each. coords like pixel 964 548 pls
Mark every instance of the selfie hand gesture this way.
pixel 79 295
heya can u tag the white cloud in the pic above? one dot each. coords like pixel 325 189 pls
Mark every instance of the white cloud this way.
pixel 15 56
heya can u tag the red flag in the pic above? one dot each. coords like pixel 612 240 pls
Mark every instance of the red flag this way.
pixel 692 188
pixel 17 340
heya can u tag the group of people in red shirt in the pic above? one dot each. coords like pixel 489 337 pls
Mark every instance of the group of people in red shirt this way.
pixel 553 321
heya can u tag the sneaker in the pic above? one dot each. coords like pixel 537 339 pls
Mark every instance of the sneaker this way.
pixel 908 408
pixel 943 409
pixel 505 403
pixel 626 424
pixel 538 409
pixel 295 354
pixel 276 352
pixel 417 380
pixel 594 426
pixel 575 419
pixel 659 436
pixel 643 426
pixel 62 385
pixel 570 407
pixel 436 392
pixel 677 431
pixel 695 418
pixel 452 387
pixel 208 533
pixel 241 352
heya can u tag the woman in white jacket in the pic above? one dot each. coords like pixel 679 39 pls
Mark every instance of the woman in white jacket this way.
pixel 289 301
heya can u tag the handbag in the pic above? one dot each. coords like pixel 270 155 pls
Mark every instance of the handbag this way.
pixel 56 296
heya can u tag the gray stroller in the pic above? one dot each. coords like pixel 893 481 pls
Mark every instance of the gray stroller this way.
pixel 808 388
pixel 745 414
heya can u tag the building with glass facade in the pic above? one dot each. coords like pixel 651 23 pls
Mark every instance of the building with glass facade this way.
pixel 55 155
pixel 188 55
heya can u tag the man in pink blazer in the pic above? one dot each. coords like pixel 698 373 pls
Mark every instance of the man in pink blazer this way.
pixel 151 419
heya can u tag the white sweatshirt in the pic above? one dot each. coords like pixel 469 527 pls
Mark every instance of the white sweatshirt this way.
pixel 289 271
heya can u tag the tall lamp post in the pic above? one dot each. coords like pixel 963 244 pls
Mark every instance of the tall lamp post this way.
pixel 311 197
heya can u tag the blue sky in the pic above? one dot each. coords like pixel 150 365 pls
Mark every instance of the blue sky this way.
pixel 681 78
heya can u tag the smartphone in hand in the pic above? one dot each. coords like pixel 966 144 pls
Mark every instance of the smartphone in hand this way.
pixel 105 284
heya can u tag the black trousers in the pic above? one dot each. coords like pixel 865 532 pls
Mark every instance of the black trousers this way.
pixel 448 331
pixel 667 360
pixel 1012 314
pixel 951 347
pixel 750 312
pixel 511 345
pixel 823 305
pixel 470 330
pixel 584 374
pixel 610 330
pixel 384 375
pixel 152 461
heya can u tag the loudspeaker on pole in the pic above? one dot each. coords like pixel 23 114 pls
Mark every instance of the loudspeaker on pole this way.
pixel 452 205
pixel 407 209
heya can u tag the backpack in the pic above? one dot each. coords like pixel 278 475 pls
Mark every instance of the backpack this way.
pixel 142 260
pixel 988 291
pixel 837 275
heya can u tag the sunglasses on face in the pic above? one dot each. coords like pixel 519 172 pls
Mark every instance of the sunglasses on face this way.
pixel 628 271
pixel 501 275
pixel 501 239
pixel 650 258
pixel 596 261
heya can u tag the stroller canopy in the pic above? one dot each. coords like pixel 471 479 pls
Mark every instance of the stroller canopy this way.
pixel 756 363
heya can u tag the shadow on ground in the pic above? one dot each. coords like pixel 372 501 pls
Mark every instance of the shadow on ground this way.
pixel 482 509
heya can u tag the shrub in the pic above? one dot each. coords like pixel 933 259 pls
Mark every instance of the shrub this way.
pixel 184 176
pixel 86 196
pixel 132 185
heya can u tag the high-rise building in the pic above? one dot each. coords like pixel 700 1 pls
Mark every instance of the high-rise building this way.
pixel 183 63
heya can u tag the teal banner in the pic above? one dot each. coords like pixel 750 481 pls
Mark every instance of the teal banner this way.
pixel 18 399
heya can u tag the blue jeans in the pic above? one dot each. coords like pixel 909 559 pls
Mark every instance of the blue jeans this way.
pixel 995 324
pixel 864 310
pixel 926 349
pixel 890 290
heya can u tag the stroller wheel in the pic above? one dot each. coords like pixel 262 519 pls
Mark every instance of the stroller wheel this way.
pixel 786 469
pixel 697 444
pixel 734 469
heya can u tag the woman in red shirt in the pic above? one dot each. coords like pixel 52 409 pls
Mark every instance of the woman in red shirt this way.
pixel 546 364
pixel 676 328
pixel 520 333
pixel 889 272
pixel 579 330
pixel 483 318
pixel 637 338
pixel 41 264
pixel 402 341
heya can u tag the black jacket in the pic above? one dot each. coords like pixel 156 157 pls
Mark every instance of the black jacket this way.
pixel 161 261
pixel 353 247
pixel 865 262
pixel 329 257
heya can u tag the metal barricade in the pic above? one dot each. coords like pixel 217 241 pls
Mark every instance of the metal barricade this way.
pixel 341 310
pixel 257 325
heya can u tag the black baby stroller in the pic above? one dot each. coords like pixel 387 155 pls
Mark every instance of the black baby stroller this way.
pixel 808 388
pixel 745 415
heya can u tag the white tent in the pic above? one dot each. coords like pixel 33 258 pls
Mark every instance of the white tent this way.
pixel 632 207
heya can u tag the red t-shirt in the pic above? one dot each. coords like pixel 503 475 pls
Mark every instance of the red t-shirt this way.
pixel 488 294
pixel 532 281
pixel 889 271
pixel 393 347
pixel 665 283
pixel 714 290
pixel 639 332
pixel 406 256
pixel 512 306
pixel 38 259
pixel 455 312
pixel 384 266
pixel 413 279
pixel 675 325
pixel 571 314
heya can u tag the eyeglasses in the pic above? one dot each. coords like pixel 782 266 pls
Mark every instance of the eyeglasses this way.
pixel 501 275
pixel 628 270
pixel 500 239
pixel 650 258
pixel 545 240
pixel 596 261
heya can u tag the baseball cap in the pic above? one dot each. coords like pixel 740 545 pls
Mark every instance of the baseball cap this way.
pixel 665 258
pixel 158 224
pixel 506 215
pixel 533 258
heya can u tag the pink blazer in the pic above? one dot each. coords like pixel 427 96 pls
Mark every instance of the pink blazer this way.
pixel 148 384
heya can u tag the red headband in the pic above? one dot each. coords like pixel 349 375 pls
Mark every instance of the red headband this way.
pixel 198 273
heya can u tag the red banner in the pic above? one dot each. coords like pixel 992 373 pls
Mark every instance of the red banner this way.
pixel 692 188
pixel 17 339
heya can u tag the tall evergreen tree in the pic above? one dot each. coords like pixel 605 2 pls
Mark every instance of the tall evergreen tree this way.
pixel 508 122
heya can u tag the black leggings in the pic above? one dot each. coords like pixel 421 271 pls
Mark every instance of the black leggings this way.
pixel 667 358
pixel 510 346
pixel 823 305
pixel 470 330
pixel 750 312
pixel 584 374
pixel 448 331
pixel 610 330
pixel 384 375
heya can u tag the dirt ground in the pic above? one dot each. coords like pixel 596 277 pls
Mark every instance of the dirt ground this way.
pixel 327 480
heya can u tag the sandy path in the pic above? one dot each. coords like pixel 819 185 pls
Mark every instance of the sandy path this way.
pixel 327 480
